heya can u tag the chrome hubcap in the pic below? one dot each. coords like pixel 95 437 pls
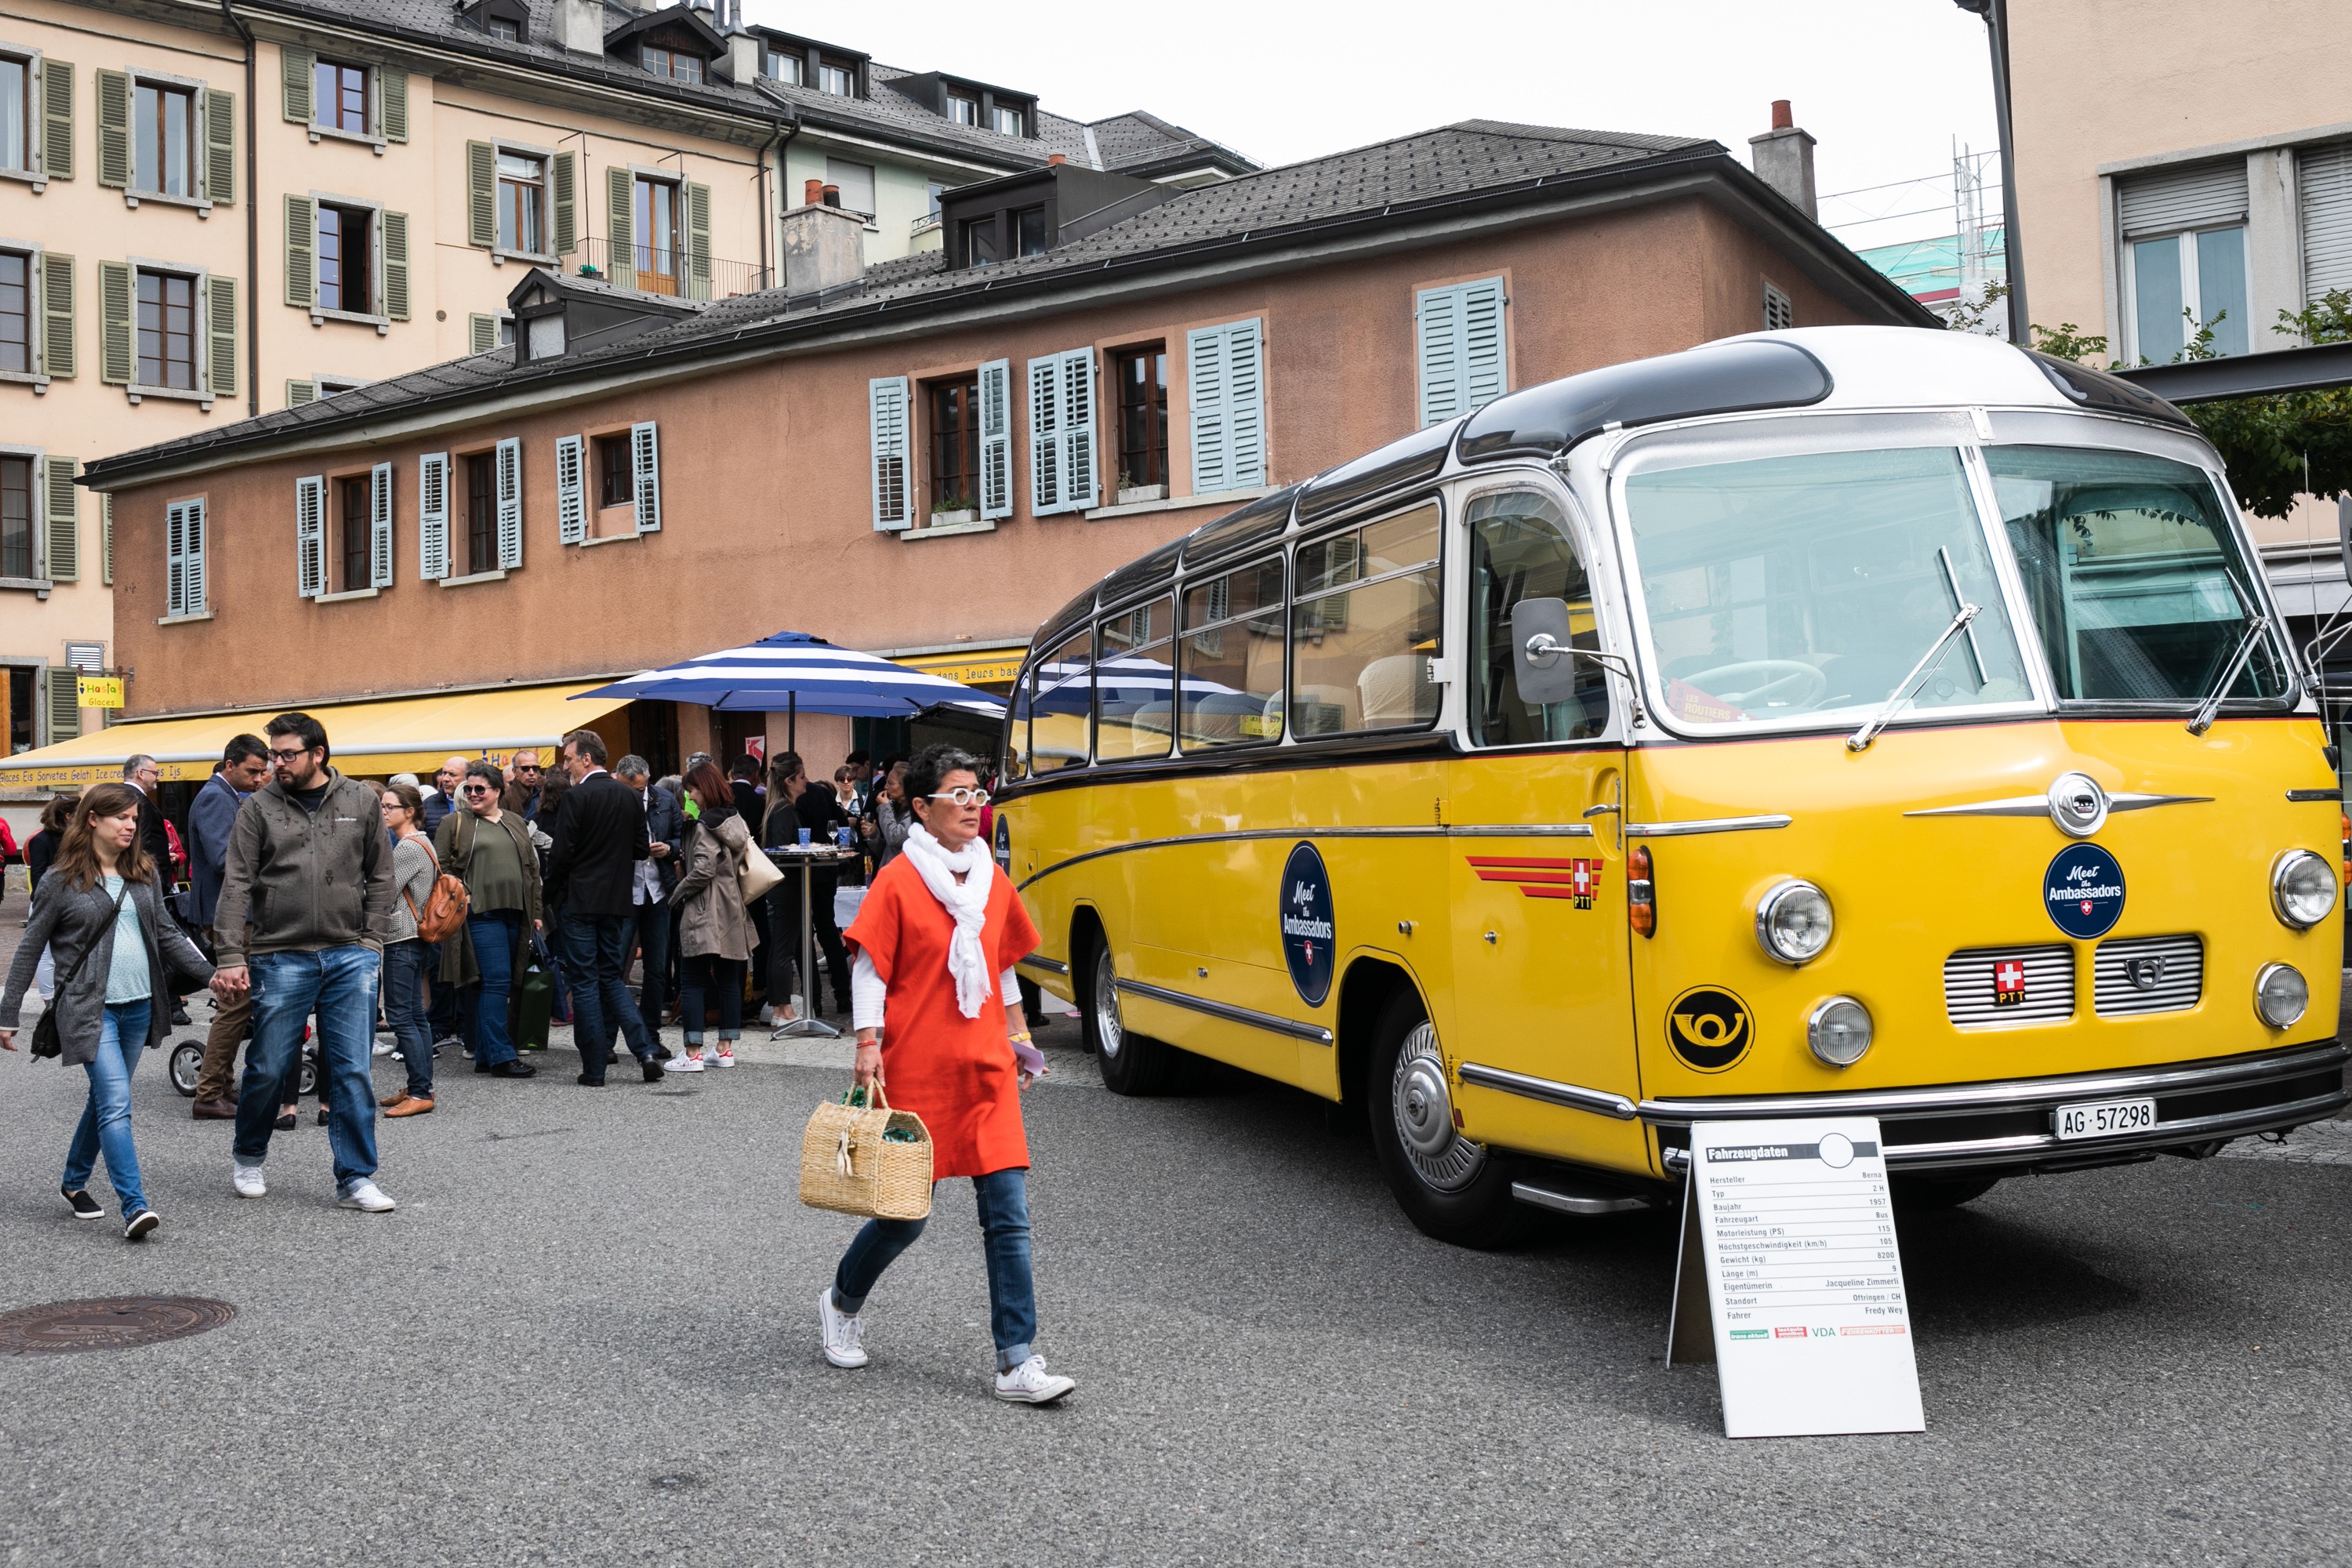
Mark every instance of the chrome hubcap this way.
pixel 1423 1110
pixel 1108 1034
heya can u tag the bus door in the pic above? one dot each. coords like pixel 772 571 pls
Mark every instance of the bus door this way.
pixel 1541 962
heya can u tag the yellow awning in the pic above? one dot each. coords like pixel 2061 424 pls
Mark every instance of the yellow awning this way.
pixel 402 734
pixel 974 667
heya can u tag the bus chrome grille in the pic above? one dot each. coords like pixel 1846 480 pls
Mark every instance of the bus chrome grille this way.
pixel 1987 987
pixel 2147 975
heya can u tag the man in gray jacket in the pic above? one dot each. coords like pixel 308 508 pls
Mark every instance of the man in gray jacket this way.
pixel 305 906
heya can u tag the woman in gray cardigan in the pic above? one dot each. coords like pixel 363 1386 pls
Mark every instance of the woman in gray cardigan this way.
pixel 100 912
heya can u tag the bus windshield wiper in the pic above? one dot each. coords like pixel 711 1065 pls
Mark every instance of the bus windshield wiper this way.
pixel 2256 624
pixel 1861 739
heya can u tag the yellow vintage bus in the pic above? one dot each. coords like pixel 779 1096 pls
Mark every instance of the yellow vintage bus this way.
pixel 1852 721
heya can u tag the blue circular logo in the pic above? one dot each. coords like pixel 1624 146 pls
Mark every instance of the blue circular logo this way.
pixel 1307 926
pixel 2084 891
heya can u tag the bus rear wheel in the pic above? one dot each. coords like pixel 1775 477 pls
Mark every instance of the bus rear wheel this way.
pixel 1129 1064
pixel 1450 1187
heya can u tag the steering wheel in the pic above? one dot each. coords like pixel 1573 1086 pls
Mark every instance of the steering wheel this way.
pixel 1759 682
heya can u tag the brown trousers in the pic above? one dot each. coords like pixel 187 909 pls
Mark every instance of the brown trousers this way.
pixel 232 1022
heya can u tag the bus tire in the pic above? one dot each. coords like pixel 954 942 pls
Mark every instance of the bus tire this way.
pixel 1924 1193
pixel 1129 1064
pixel 1451 1188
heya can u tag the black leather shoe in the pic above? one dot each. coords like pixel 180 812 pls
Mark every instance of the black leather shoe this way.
pixel 514 1069
pixel 587 1082
pixel 653 1066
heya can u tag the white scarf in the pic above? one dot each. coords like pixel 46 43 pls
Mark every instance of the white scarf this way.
pixel 966 900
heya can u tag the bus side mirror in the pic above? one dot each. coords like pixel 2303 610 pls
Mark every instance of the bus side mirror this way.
pixel 1543 658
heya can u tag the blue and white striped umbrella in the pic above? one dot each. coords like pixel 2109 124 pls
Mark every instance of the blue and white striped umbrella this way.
pixel 792 671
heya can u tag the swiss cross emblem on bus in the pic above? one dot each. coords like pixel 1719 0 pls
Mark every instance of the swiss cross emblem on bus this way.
pixel 1544 877
pixel 2007 983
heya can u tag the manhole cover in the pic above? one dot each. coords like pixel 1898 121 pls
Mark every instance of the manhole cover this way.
pixel 108 1323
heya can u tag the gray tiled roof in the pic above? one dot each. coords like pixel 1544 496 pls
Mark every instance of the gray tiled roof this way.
pixel 1136 139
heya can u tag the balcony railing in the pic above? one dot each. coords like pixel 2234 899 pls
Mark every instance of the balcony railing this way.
pixel 659 269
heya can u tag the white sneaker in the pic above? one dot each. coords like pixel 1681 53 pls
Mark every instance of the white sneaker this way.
pixel 365 1194
pixel 839 1331
pixel 683 1064
pixel 385 1047
pixel 247 1180
pixel 1031 1384
pixel 725 1059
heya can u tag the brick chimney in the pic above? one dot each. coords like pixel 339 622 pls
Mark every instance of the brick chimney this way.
pixel 580 25
pixel 1053 158
pixel 1783 159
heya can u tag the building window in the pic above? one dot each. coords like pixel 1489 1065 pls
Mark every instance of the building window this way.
pixel 980 241
pixel 163 119
pixel 932 191
pixel 963 110
pixel 505 29
pixel 673 64
pixel 785 68
pixel 15 310
pixel 15 517
pixel 522 203
pixel 838 80
pixel 338 98
pixel 2184 283
pixel 1142 417
pixel 346 269
pixel 955 443
pixel 327 385
pixel 1005 122
pixel 16 114
pixel 352 532
pixel 167 331
pixel 616 482
pixel 482 513
pixel 1029 232
pixel 656 233
pixel 856 183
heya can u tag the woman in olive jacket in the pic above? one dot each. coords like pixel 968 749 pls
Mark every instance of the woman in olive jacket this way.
pixel 491 852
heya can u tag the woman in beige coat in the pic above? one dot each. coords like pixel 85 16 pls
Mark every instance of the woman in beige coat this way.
pixel 715 938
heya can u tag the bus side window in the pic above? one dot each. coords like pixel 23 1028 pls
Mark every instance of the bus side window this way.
pixel 1364 627
pixel 1520 548
pixel 1134 682
pixel 1016 730
pixel 1062 706
pixel 1232 673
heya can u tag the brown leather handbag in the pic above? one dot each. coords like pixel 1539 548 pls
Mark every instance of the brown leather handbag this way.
pixel 444 906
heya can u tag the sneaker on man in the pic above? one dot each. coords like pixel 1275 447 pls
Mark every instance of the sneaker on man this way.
pixel 84 1206
pixel 137 1226
pixel 683 1064
pixel 362 1193
pixel 725 1059
pixel 385 1047
pixel 247 1180
pixel 1031 1384
pixel 839 1331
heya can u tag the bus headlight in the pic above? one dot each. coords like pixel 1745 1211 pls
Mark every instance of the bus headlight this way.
pixel 2281 995
pixel 2303 888
pixel 1793 922
pixel 1839 1031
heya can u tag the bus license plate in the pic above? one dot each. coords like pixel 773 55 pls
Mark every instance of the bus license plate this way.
pixel 2104 1119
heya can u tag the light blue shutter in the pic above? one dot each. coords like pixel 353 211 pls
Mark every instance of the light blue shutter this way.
pixel 191 558
pixel 1045 436
pixel 886 412
pixel 644 475
pixel 510 480
pixel 175 559
pixel 433 516
pixel 379 526
pixel 1463 364
pixel 1077 432
pixel 571 490
pixel 1225 369
pixel 996 438
pixel 310 535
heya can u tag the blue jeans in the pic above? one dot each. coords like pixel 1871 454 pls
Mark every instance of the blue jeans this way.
pixel 495 936
pixel 711 982
pixel 106 1117
pixel 339 985
pixel 648 928
pixel 403 1006
pixel 1004 1227
pixel 595 954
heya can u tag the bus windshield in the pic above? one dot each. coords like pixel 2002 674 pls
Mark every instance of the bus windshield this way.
pixel 1802 590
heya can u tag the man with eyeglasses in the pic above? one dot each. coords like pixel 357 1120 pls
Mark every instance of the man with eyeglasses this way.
pixel 305 906
pixel 524 776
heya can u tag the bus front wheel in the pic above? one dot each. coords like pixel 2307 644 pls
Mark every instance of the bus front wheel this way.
pixel 1452 1188
pixel 1129 1064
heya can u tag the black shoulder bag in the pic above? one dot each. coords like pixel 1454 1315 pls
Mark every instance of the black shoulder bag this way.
pixel 47 1042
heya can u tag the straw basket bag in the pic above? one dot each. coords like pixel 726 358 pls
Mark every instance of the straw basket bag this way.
pixel 847 1165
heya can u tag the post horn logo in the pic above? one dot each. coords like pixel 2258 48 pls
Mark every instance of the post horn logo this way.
pixel 1709 1029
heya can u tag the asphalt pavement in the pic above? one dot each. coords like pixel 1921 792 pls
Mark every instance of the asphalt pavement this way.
pixel 587 1337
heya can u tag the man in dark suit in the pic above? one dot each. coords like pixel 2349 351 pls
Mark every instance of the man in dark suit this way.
pixel 651 884
pixel 142 774
pixel 599 836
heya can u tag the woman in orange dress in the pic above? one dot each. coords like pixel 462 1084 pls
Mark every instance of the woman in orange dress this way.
pixel 937 1009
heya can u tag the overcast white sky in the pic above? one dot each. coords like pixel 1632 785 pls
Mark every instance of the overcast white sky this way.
pixel 1886 85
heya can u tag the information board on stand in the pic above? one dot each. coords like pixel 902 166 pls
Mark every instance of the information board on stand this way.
pixel 1790 1279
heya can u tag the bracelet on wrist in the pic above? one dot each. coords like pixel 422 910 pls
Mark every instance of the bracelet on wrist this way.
pixel 1020 1039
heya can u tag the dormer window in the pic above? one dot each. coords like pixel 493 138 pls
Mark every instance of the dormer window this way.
pixel 837 80
pixel 509 21
pixel 963 110
pixel 980 241
pixel 674 65
pixel 784 68
pixel 1029 232
pixel 1005 121
pixel 505 28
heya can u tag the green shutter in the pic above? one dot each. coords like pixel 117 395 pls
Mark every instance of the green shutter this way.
pixel 297 65
pixel 115 359
pixel 58 315
pixel 220 146
pixel 220 328
pixel 392 103
pixel 698 242
pixel 105 538
pixel 57 120
pixel 567 214
pixel 620 266
pixel 114 129
pixel 885 405
pixel 63 510
pixel 65 703
pixel 481 195
pixel 482 331
pixel 298 393
pixel 395 266
pixel 302 243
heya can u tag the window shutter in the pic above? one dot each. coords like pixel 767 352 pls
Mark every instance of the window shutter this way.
pixel 698 242
pixel 1079 477
pixel 57 120
pixel 64 509
pixel 2324 181
pixel 481 195
pixel 65 703
pixel 620 263
pixel 564 176
pixel 571 490
pixel 433 516
pixel 1779 312
pixel 58 315
pixel 114 129
pixel 296 66
pixel 175 559
pixel 301 248
pixel 220 330
pixel 106 540
pixel 482 332
pixel 886 412
pixel 392 103
pixel 393 248
pixel 220 146
pixel 310 535
pixel 2185 198
pixel 1228 417
pixel 644 475
pixel 298 393
pixel 510 477
pixel 193 588
pixel 1462 362
pixel 115 360
pixel 379 526
pixel 1045 437
pixel 996 438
